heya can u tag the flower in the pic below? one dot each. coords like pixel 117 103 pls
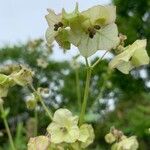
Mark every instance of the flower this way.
pixel 99 16
pixel 23 76
pixel 110 138
pixel 53 21
pixel 86 135
pixel 63 127
pixel 90 30
pixel 38 143
pixel 96 30
pixel 133 56
pixel 42 63
pixel 91 41
pixel 5 83
pixel 126 144
pixel 31 101
pixel 56 30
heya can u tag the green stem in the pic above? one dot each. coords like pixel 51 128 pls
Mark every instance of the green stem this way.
pixel 7 128
pixel 36 122
pixel 78 88
pixel 86 93
pixel 99 59
pixel 45 108
pixel 42 102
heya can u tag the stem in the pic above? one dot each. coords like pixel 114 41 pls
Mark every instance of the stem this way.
pixel 99 59
pixel 36 122
pixel 42 102
pixel 7 128
pixel 45 108
pixel 86 93
pixel 78 88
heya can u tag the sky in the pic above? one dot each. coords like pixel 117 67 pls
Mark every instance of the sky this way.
pixel 21 20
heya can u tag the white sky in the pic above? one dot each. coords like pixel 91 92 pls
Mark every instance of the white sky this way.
pixel 21 20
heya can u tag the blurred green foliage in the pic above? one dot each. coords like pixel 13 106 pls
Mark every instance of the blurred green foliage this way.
pixel 115 99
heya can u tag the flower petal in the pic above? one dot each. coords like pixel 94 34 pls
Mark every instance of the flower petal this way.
pixel 105 39
pixel 140 56
pixel 99 15
pixel 38 143
pixel 86 135
pixel 57 136
pixel 52 18
pixel 50 35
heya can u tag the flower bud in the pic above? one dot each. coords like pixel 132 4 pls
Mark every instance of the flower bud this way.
pixel 110 138
pixel 31 102
pixel 38 143
pixel 22 77
pixel 126 144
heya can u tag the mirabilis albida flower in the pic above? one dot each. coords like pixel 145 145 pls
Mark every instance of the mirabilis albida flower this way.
pixel 64 132
pixel 64 127
pixel 90 30
pixel 132 56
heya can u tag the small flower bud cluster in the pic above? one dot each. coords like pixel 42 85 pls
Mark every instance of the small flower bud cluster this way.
pixel 20 76
pixel 120 142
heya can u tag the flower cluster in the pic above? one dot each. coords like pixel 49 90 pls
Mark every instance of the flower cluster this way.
pixel 93 30
pixel 120 141
pixel 21 76
pixel 90 30
pixel 64 131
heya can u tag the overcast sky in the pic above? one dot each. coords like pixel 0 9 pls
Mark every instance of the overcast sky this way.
pixel 21 20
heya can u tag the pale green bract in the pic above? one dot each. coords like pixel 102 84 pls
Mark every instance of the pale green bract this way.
pixel 39 143
pixel 99 15
pixel 75 29
pixel 52 19
pixel 126 144
pixel 5 83
pixel 110 138
pixel 23 77
pixel 86 135
pixel 105 39
pixel 64 127
pixel 71 19
pixel 60 34
pixel 133 56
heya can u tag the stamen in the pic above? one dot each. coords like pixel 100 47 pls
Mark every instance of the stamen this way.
pixel 97 27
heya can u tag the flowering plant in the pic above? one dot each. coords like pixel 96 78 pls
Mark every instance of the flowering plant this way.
pixel 90 31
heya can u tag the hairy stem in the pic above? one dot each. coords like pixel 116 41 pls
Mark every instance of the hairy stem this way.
pixel 86 93
pixel 96 63
pixel 36 122
pixel 78 88
pixel 7 127
pixel 42 102
pixel 45 108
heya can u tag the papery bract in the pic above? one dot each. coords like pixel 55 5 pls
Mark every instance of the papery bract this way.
pixel 63 127
pixel 126 144
pixel 39 143
pixel 99 15
pixel 23 76
pixel 133 56
pixel 105 38
pixel 86 135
